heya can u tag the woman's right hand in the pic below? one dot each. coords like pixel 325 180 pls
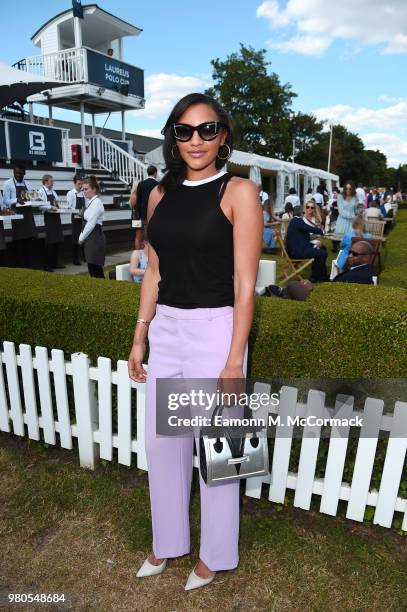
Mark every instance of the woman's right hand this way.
pixel 135 363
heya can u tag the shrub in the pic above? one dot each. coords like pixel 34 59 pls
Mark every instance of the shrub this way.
pixel 395 253
pixel 340 331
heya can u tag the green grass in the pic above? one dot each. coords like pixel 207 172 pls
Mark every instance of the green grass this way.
pixel 87 532
pixel 395 253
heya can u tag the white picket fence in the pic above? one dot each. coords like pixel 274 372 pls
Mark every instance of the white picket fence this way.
pixel 98 435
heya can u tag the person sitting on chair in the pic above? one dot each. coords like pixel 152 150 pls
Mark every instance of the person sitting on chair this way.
pixel 358 230
pixel 298 241
pixel 138 262
pixel 358 269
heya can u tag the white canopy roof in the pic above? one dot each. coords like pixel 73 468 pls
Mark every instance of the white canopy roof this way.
pixel 98 27
pixel 16 85
pixel 251 160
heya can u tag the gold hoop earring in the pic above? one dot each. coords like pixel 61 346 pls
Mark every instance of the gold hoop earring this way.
pixel 172 152
pixel 228 154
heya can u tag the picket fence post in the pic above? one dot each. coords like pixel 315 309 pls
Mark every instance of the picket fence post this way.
pixel 85 410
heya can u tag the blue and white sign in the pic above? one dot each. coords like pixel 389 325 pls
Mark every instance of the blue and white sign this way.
pixel 29 141
pixel 3 146
pixel 112 74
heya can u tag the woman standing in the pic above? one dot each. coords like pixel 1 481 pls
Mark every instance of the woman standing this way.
pixel 76 201
pixel 54 235
pixel 347 205
pixel 92 236
pixel 205 232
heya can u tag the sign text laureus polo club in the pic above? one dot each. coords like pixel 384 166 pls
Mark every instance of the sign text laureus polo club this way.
pixel 112 74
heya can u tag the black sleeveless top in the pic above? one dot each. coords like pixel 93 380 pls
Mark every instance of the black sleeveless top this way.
pixel 193 239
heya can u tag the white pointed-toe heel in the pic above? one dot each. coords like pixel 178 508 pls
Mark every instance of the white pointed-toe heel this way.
pixel 194 581
pixel 148 569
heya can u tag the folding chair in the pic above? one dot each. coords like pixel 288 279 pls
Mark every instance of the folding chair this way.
pixel 294 266
pixel 375 226
pixel 334 267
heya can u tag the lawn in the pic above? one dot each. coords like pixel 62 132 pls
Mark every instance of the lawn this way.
pixel 86 533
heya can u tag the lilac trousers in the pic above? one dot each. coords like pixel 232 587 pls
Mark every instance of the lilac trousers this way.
pixel 188 343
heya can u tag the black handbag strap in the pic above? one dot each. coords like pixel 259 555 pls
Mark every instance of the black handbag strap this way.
pixel 236 443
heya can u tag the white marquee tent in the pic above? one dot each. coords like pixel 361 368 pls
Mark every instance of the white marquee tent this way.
pixel 281 174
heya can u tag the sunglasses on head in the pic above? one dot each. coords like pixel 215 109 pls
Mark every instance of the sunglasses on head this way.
pixel 207 131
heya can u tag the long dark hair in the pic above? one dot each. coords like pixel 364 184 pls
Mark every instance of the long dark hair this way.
pixel 175 169
pixel 353 189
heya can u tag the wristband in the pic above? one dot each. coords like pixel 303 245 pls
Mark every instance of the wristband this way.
pixel 146 323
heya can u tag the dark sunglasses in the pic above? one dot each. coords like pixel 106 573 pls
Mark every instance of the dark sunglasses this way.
pixel 355 253
pixel 207 131
pixel 310 207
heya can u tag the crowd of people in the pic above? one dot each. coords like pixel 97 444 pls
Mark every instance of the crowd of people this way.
pixel 87 235
pixel 343 214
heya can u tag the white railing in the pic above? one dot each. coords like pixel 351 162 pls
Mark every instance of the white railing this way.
pixel 69 65
pixel 34 401
pixel 114 159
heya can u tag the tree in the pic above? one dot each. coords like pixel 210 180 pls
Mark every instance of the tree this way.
pixel 306 130
pixel 258 103
pixel 348 159
pixel 375 168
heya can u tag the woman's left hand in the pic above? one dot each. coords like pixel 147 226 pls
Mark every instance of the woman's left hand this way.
pixel 231 381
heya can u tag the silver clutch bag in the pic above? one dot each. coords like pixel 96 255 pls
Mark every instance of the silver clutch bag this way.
pixel 230 452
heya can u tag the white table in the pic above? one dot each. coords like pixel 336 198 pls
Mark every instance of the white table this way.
pixel 64 211
pixel 10 217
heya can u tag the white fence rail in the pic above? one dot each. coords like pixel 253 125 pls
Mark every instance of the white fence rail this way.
pixel 34 396
pixel 69 65
pixel 114 159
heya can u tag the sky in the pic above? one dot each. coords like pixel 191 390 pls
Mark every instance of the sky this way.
pixel 346 60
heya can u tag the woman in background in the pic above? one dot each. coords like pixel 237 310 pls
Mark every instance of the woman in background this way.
pixel 76 201
pixel 312 216
pixel 92 236
pixel 268 218
pixel 138 262
pixel 347 205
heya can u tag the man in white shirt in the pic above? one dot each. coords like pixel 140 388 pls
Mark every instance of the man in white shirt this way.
pixel 23 230
pixel 263 195
pixel 54 236
pixel 76 200
pixel 360 194
pixel 318 197
pixel 292 198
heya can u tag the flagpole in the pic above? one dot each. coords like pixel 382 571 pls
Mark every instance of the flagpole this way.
pixel 330 148
pixel 77 26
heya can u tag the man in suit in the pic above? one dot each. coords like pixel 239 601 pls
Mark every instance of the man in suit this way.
pixel 144 188
pixel 358 269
